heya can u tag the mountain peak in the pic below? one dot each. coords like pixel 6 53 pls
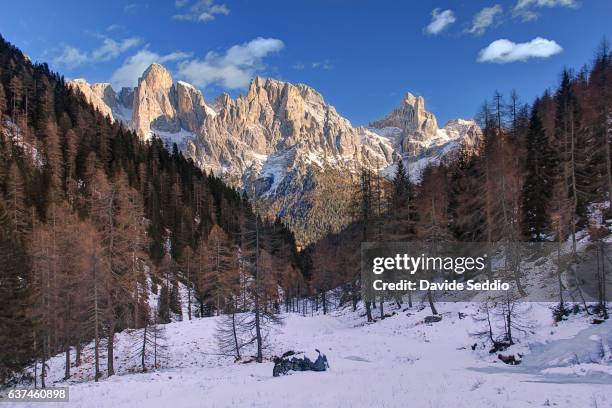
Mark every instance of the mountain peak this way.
pixel 157 76
pixel 414 100
pixel 94 94
pixel 411 117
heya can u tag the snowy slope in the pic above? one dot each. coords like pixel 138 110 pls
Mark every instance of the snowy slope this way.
pixel 396 362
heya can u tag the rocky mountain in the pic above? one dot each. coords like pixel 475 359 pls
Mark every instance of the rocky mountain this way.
pixel 280 142
pixel 103 97
pixel 414 135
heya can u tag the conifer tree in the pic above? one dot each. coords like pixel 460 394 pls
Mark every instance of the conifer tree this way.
pixel 432 205
pixel 16 324
pixel 537 189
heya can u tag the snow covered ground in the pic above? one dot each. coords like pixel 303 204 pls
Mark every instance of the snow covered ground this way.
pixel 397 362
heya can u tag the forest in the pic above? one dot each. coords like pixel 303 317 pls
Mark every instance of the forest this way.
pixel 93 220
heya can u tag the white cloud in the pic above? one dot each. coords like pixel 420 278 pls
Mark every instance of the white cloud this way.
pixel 525 8
pixel 299 66
pixel 504 51
pixel 325 64
pixel 484 19
pixel 72 57
pixel 439 21
pixel 201 11
pixel 232 70
pixel 130 8
pixel 111 49
pixel 127 74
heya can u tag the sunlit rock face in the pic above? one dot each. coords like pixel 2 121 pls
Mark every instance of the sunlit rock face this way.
pixel 281 143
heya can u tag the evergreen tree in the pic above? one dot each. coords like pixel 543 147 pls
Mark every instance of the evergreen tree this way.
pixel 16 325
pixel 537 189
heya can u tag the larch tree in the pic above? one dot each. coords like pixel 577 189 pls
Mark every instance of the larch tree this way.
pixel 432 205
pixel 254 240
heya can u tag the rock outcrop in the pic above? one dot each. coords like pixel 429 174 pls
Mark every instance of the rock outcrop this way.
pixel 412 118
pixel 94 94
pixel 154 102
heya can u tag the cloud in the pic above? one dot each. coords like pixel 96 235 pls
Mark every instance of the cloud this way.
pixel 130 8
pixel 111 49
pixel 325 64
pixel 113 27
pixel 235 68
pixel 504 51
pixel 201 11
pixel 132 68
pixel 439 21
pixel 72 57
pixel 484 19
pixel 525 8
pixel 299 66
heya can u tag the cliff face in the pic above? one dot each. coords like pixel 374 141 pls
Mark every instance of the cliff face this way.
pixel 281 142
pixel 412 118
pixel 94 94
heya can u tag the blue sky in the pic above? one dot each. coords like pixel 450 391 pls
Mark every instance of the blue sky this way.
pixel 361 55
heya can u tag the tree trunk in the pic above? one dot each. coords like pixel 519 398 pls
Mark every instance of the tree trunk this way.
pixel 43 366
pixel 96 323
pixel 110 358
pixel 234 332
pixel 77 359
pixel 431 302
pixel 67 368
pixel 144 349
pixel 257 288
pixel 368 306
pixel 324 302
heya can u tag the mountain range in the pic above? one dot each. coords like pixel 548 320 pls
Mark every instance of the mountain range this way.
pixel 290 151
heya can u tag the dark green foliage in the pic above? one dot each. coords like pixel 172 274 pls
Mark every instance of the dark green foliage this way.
pixel 163 305
pixel 15 325
pixel 539 167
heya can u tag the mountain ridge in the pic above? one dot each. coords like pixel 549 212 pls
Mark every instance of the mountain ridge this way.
pixel 275 141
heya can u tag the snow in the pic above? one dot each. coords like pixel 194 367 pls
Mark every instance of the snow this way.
pixel 174 137
pixel 275 168
pixel 11 131
pixel 187 85
pixel 123 114
pixel 210 111
pixel 315 157
pixel 259 157
pixel 396 362
pixel 388 132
